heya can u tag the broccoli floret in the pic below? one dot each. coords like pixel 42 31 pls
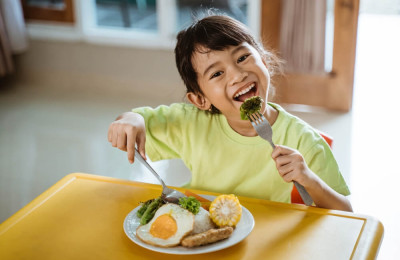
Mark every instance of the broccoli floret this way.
pixel 250 106
pixel 190 203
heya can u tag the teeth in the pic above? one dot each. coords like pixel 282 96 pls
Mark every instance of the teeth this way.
pixel 244 91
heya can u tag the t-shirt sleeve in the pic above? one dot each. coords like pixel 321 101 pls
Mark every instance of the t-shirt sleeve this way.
pixel 321 161
pixel 164 126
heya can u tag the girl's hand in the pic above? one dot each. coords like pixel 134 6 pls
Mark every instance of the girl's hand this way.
pixel 291 165
pixel 127 130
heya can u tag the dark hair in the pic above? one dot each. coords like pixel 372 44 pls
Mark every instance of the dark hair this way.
pixel 215 32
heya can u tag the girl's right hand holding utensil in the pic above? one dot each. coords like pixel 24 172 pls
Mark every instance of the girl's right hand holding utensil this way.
pixel 126 131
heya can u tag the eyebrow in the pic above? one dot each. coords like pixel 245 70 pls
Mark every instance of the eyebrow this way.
pixel 237 49
pixel 209 68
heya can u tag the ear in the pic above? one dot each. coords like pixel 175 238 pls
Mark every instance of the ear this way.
pixel 199 101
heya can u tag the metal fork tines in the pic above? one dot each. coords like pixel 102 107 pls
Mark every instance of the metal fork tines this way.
pixel 264 130
pixel 262 126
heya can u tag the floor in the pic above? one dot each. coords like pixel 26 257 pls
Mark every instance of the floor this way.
pixel 46 135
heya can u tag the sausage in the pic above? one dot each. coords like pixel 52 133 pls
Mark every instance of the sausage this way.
pixel 207 237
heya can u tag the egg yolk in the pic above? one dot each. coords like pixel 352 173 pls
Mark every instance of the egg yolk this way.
pixel 164 227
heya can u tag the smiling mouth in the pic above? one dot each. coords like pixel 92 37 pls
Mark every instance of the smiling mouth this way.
pixel 246 93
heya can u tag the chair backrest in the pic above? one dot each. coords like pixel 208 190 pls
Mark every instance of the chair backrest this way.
pixel 295 195
pixel 328 139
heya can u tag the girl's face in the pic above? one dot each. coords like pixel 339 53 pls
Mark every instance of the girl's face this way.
pixel 228 77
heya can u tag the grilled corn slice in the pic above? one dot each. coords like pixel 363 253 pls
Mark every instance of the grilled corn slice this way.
pixel 225 210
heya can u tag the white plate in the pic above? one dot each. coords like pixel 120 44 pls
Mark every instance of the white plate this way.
pixel 242 230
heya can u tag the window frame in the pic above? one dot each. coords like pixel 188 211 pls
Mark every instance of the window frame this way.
pixel 85 28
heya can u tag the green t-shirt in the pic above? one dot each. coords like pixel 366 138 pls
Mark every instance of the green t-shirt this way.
pixel 221 160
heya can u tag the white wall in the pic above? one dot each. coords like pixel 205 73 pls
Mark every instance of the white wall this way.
pixel 83 67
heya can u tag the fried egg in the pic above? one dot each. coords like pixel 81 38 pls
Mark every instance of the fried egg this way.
pixel 169 226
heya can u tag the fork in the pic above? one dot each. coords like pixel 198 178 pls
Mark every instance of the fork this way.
pixel 168 195
pixel 264 130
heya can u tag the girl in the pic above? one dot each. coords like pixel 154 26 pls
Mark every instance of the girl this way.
pixel 221 65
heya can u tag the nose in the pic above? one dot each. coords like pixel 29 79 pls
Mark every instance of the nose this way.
pixel 237 75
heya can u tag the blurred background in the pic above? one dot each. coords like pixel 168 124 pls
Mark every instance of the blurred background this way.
pixel 68 68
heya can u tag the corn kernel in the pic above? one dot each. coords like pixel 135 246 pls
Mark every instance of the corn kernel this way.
pixel 225 210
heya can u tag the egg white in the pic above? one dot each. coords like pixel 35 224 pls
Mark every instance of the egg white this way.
pixel 184 221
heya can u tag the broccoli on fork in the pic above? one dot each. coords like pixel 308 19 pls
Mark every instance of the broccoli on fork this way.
pixel 250 106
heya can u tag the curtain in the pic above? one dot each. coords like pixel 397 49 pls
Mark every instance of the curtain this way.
pixel 302 40
pixel 6 65
pixel 13 37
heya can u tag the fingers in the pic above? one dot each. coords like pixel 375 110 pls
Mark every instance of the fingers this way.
pixel 131 140
pixel 130 147
pixel 114 138
pixel 281 150
pixel 121 142
pixel 109 134
pixel 121 136
pixel 286 172
pixel 124 137
pixel 282 155
pixel 141 140
pixel 282 160
pixel 289 163
pixel 126 131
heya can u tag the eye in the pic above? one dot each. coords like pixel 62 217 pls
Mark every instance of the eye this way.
pixel 243 58
pixel 216 74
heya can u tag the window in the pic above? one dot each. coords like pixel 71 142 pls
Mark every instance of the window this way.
pixel 154 23
pixel 139 23
pixel 187 8
pixel 139 15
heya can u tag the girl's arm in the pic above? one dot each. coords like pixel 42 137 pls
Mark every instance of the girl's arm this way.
pixel 292 167
pixel 325 197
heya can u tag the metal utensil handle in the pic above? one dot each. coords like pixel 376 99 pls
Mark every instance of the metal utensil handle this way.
pixel 304 194
pixel 145 163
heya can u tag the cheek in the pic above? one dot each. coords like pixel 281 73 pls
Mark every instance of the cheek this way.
pixel 264 73
pixel 267 76
pixel 263 67
pixel 202 84
pixel 213 90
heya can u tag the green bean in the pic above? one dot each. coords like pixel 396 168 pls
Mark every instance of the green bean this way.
pixel 141 211
pixel 150 211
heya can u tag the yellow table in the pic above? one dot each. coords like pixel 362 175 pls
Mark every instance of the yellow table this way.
pixel 82 215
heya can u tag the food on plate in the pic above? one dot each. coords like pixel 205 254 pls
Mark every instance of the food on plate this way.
pixel 187 224
pixel 207 237
pixel 250 106
pixel 205 203
pixel 148 209
pixel 225 210
pixel 168 227
pixel 202 222
pixel 190 203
